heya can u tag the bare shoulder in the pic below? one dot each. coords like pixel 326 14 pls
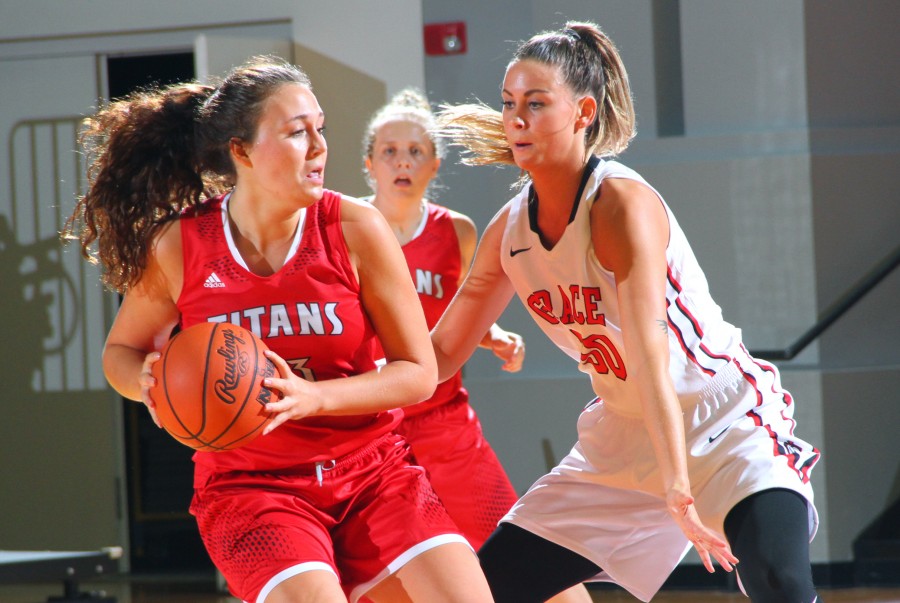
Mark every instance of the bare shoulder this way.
pixel 460 218
pixel 166 250
pixel 358 216
pixel 464 226
pixel 624 195
pixel 164 271
pixel 168 238
pixel 498 222
pixel 362 223
pixel 493 232
pixel 628 220
pixel 355 208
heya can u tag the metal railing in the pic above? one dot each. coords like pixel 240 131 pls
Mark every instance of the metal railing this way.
pixel 840 307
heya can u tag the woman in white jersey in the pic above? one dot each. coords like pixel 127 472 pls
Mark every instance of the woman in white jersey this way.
pixel 690 440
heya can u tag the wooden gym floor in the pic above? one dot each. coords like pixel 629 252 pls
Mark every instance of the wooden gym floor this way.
pixel 187 589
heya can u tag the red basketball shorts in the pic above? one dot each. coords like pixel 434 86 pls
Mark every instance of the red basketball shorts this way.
pixel 362 517
pixel 462 467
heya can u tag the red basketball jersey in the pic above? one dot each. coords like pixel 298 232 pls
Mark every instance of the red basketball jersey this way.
pixel 309 313
pixel 435 265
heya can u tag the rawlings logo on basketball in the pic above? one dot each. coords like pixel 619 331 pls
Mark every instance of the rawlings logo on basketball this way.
pixel 209 391
pixel 237 364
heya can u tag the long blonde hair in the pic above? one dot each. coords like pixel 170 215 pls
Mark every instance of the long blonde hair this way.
pixel 590 65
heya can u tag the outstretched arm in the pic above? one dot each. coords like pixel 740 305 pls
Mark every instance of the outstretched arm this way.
pixel 506 345
pixel 484 295
pixel 630 234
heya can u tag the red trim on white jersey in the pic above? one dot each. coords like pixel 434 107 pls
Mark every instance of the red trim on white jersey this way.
pixel 800 456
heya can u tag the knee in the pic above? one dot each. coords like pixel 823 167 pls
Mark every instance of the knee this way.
pixel 768 532
pixel 505 588
pixel 522 567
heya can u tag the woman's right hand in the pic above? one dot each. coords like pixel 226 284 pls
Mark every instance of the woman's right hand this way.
pixel 705 541
pixel 147 380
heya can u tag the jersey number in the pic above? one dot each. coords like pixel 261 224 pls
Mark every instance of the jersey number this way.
pixel 299 366
pixel 599 352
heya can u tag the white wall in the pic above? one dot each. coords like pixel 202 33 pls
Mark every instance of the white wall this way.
pixel 350 31
pixel 782 180
pixel 853 63
pixel 752 195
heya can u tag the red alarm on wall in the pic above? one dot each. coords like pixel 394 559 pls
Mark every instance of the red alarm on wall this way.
pixel 445 38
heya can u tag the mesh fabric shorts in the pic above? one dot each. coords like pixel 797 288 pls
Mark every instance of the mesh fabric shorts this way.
pixel 362 517
pixel 462 467
pixel 605 500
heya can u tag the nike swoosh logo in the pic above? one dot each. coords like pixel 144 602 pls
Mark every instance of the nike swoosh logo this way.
pixel 716 437
pixel 513 252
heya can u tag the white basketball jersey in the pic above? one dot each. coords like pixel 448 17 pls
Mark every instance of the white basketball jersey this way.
pixel 573 299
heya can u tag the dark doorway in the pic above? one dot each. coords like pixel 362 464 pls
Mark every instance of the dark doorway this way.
pixel 128 73
pixel 159 470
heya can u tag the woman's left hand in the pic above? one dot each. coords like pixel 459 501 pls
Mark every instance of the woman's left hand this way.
pixel 296 398
pixel 705 541
pixel 508 347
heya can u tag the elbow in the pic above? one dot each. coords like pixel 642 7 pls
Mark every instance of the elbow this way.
pixel 445 367
pixel 108 363
pixel 112 370
pixel 421 380
pixel 428 380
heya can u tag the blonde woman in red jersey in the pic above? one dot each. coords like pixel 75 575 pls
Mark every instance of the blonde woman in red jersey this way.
pixel 326 505
pixel 402 157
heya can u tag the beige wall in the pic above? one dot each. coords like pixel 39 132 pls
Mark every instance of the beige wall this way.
pixel 61 449
pixel 349 31
pixel 782 181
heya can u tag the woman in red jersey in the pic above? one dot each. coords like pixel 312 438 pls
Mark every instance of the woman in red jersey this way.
pixel 195 180
pixel 402 156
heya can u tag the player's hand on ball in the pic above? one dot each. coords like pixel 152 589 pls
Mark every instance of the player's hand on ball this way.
pixel 147 380
pixel 707 544
pixel 296 396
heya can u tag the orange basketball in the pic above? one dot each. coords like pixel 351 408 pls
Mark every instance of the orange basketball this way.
pixel 209 393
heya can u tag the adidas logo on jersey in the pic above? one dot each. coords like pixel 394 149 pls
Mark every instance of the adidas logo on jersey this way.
pixel 213 281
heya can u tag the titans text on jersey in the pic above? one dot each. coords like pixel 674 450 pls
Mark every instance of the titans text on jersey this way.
pixel 314 318
pixel 429 283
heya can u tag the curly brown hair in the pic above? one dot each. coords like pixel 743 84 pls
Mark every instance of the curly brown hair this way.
pixel 158 152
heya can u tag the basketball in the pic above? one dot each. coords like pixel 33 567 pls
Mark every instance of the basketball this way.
pixel 209 393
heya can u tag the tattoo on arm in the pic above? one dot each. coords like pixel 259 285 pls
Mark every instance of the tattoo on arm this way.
pixel 664 325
